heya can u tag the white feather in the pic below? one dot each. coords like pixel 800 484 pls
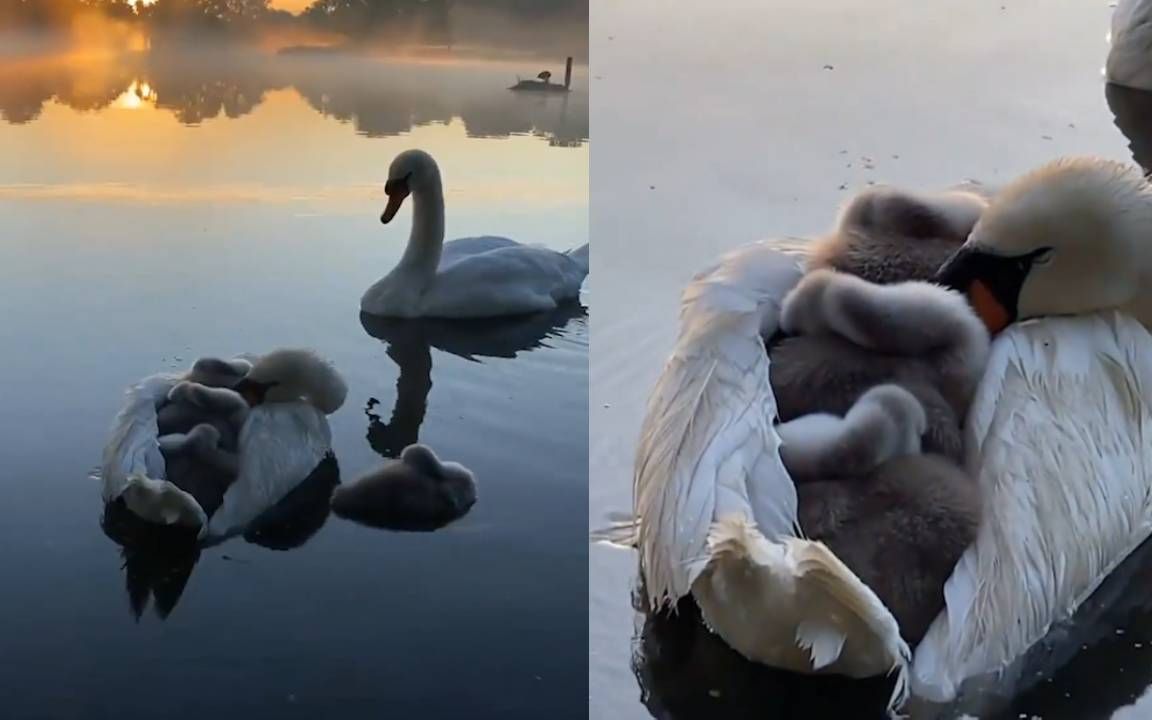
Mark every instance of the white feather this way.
pixel 707 446
pixel 1056 439
pixel 280 445
pixel 133 467
pixel 711 493
pixel 793 604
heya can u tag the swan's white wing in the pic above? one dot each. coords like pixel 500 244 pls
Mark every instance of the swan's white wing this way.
pixel 133 467
pixel 707 446
pixel 280 445
pixel 503 281
pixel 460 247
pixel 132 449
pixel 1056 438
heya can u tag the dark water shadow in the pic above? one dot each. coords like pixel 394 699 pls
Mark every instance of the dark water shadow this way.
pixel 1132 113
pixel 158 560
pixel 410 344
pixel 1095 663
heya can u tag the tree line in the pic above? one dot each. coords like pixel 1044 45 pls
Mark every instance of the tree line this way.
pixel 348 17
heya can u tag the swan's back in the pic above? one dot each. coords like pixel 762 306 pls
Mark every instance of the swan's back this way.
pixel 489 276
pixel 1064 502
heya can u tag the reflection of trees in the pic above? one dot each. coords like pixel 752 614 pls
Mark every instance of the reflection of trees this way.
pixel 378 98
pixel 204 88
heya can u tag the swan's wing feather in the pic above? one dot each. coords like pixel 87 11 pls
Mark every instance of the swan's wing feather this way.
pixel 280 445
pixel 1064 502
pixel 503 281
pixel 460 247
pixel 707 446
pixel 132 449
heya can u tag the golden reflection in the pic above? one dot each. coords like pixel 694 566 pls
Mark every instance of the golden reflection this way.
pixel 135 96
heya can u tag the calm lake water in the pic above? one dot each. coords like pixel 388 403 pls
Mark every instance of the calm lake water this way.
pixel 155 208
pixel 721 123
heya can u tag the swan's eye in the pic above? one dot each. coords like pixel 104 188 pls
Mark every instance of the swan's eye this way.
pixel 1042 256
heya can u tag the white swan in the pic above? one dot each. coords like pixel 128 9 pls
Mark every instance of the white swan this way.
pixel 1129 61
pixel 1054 436
pixel 284 437
pixel 471 277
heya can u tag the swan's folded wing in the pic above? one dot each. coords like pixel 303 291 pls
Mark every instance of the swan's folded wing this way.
pixel 1056 439
pixel 707 446
pixel 280 445
pixel 132 449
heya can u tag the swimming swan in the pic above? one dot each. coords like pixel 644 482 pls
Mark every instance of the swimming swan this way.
pixel 284 437
pixel 417 491
pixel 473 277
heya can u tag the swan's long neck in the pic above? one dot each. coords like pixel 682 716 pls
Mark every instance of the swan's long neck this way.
pixel 426 241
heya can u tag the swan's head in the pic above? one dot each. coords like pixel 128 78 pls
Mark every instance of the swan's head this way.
pixel 294 375
pixel 1063 239
pixel 412 171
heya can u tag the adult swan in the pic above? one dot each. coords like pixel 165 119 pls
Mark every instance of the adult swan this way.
pixel 1055 437
pixel 473 277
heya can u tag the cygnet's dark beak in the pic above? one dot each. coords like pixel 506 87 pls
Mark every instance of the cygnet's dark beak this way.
pixel 991 282
pixel 253 391
pixel 396 190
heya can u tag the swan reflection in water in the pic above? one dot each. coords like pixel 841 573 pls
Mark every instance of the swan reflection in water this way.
pixel 158 560
pixel 1088 667
pixel 410 344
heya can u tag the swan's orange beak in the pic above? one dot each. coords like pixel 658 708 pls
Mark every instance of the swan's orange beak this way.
pixel 991 282
pixel 396 190
pixel 988 308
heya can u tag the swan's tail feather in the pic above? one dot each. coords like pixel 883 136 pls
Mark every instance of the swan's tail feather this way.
pixel 817 563
pixel 161 502
pixel 817 614
pixel 581 256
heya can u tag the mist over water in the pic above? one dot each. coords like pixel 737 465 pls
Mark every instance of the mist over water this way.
pixel 168 197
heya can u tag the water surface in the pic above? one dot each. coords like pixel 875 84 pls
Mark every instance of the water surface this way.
pixel 158 207
pixel 728 122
